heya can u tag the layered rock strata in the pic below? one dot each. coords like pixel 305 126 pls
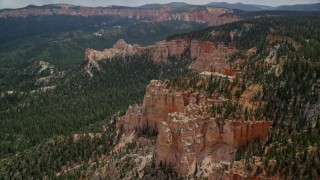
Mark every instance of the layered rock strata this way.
pixel 210 15
pixel 188 135
pixel 208 56
pixel 184 136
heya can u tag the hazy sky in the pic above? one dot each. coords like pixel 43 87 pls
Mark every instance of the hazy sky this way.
pixel 23 3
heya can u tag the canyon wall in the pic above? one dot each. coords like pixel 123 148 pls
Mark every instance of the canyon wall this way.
pixel 159 51
pixel 207 56
pixel 185 137
pixel 210 15
pixel 83 11
pixel 188 135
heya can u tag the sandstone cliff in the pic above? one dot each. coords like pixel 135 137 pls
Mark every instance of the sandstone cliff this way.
pixel 157 104
pixel 189 136
pixel 210 56
pixel 207 56
pixel 212 16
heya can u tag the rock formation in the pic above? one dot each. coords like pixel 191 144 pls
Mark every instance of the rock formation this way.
pixel 121 48
pixel 188 135
pixel 158 51
pixel 208 56
pixel 157 104
pixel 185 136
pixel 210 15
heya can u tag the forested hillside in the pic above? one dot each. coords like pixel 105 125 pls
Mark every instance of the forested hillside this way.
pixel 77 101
pixel 62 40
pixel 287 66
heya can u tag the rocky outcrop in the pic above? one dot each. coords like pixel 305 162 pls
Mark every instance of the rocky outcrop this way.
pixel 131 120
pixel 210 15
pixel 158 51
pixel 181 140
pixel 210 56
pixel 188 134
pixel 185 136
pixel 157 104
pixel 121 48
pixel 207 56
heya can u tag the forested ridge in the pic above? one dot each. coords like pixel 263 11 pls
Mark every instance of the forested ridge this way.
pixel 62 40
pixel 289 98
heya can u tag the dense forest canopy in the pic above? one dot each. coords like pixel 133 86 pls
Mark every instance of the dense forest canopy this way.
pixel 62 40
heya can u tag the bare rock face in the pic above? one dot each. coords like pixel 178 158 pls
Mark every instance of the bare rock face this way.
pixel 158 51
pixel 121 48
pixel 210 56
pixel 189 138
pixel 131 120
pixel 184 137
pixel 195 49
pixel 164 49
pixel 212 16
pixel 157 104
pixel 177 47
pixel 207 56
pixel 248 131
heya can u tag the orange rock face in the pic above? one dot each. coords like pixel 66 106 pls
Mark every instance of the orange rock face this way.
pixel 177 47
pixel 157 104
pixel 207 56
pixel 212 16
pixel 158 52
pixel 206 47
pixel 211 57
pixel 188 135
pixel 195 49
pixel 185 136
pixel 121 48
pixel 230 72
pixel 247 131
pixel 131 120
